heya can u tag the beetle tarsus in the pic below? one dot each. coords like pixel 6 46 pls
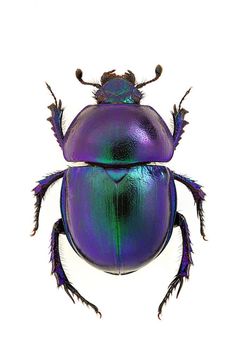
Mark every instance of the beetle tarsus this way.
pixel 173 285
pixel 69 288
pixel 37 206
pixel 52 93
pixel 200 214
pixel 56 117
pixel 182 99
pixel 186 261
pixel 58 270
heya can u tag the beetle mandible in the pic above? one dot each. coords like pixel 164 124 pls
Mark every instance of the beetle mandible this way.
pixel 118 203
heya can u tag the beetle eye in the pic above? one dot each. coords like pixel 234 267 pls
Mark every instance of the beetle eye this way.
pixel 136 99
pixel 99 96
pixel 137 95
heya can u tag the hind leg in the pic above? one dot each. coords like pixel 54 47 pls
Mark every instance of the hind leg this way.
pixel 57 268
pixel 186 261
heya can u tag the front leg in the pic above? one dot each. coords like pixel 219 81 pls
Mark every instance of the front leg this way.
pixel 56 118
pixel 198 195
pixel 179 122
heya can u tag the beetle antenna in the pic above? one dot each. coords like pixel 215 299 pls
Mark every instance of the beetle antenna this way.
pixel 52 93
pixel 79 74
pixel 184 97
pixel 158 72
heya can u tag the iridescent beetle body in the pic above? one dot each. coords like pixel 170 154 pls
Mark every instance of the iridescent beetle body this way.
pixel 118 205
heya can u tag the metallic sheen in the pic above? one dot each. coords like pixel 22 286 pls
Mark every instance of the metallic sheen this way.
pixel 118 219
pixel 118 134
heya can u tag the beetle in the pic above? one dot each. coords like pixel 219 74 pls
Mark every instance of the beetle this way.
pixel 118 202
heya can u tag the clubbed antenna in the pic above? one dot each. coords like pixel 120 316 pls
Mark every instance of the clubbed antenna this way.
pixel 158 72
pixel 79 77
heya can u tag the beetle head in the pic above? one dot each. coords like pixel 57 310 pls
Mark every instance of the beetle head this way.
pixel 120 89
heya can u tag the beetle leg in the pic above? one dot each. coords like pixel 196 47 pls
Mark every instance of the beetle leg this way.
pixel 57 268
pixel 56 118
pixel 179 122
pixel 186 261
pixel 40 191
pixel 198 195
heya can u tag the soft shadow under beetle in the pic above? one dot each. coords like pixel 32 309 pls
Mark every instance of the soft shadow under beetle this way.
pixel 118 204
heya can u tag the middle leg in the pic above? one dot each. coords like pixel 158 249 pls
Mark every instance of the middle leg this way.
pixel 40 191
pixel 198 195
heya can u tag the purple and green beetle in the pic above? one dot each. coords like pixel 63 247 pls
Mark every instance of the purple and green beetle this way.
pixel 118 203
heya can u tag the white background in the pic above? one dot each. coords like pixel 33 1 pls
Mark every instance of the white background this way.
pixel 47 41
